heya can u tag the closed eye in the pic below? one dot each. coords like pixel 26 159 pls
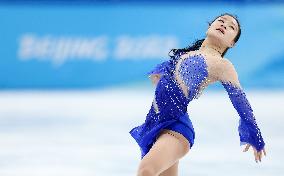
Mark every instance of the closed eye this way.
pixel 232 27
pixel 221 20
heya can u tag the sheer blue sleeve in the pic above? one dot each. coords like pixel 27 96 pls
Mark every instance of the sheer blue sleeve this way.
pixel 248 129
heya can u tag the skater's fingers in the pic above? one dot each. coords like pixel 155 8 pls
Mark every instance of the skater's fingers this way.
pixel 255 155
pixel 260 155
pixel 264 152
pixel 246 148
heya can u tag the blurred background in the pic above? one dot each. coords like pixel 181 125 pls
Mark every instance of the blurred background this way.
pixel 73 83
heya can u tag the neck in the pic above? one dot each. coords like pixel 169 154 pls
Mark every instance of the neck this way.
pixel 211 48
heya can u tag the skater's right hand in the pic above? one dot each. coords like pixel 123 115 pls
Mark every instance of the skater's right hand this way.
pixel 257 155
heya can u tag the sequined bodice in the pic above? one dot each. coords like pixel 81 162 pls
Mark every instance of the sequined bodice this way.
pixel 192 75
pixel 191 72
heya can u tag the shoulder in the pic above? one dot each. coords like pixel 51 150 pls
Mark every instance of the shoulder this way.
pixel 228 72
pixel 227 63
pixel 228 67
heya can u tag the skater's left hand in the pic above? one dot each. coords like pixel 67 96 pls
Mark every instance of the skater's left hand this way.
pixel 257 154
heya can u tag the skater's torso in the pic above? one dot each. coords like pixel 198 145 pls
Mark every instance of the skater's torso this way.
pixel 192 73
pixel 210 66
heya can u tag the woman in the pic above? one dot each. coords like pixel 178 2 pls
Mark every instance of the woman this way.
pixel 168 134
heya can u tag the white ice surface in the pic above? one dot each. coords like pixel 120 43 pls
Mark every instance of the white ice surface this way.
pixel 86 133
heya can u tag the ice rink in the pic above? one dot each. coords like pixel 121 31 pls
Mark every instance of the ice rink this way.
pixel 86 133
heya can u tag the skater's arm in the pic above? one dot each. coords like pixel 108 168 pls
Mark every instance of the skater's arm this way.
pixel 248 129
pixel 160 69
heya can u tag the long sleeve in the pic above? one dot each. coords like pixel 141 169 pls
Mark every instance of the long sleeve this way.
pixel 248 129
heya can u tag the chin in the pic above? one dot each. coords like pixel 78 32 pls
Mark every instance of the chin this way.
pixel 218 37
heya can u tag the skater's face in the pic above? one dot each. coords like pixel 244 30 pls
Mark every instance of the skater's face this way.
pixel 224 29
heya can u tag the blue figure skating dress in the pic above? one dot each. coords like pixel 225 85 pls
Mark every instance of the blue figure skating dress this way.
pixel 169 107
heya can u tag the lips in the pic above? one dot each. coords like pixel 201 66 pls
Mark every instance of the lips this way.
pixel 222 30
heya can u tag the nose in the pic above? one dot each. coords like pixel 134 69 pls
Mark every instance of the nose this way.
pixel 223 26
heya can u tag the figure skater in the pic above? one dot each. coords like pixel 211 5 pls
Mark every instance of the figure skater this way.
pixel 167 134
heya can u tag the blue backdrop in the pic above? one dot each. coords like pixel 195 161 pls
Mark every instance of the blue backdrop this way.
pixel 96 46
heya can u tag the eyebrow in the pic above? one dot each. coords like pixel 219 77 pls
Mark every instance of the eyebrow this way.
pixel 230 22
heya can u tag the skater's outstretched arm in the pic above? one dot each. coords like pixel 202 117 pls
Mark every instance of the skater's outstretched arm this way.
pixel 248 129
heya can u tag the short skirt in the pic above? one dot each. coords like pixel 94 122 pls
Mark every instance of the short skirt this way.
pixel 183 126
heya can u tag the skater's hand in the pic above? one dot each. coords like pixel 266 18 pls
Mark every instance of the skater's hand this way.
pixel 257 155
pixel 155 78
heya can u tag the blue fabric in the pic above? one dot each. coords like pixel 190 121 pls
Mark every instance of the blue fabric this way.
pixel 193 71
pixel 249 132
pixel 184 127
pixel 166 67
pixel 172 106
pixel 163 68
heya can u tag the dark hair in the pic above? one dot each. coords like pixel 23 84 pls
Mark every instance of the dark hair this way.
pixel 196 45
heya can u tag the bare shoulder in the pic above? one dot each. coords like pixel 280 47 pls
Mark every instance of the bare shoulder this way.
pixel 228 66
pixel 227 62
pixel 228 72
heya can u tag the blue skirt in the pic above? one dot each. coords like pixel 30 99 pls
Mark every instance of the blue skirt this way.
pixel 183 126
pixel 187 132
